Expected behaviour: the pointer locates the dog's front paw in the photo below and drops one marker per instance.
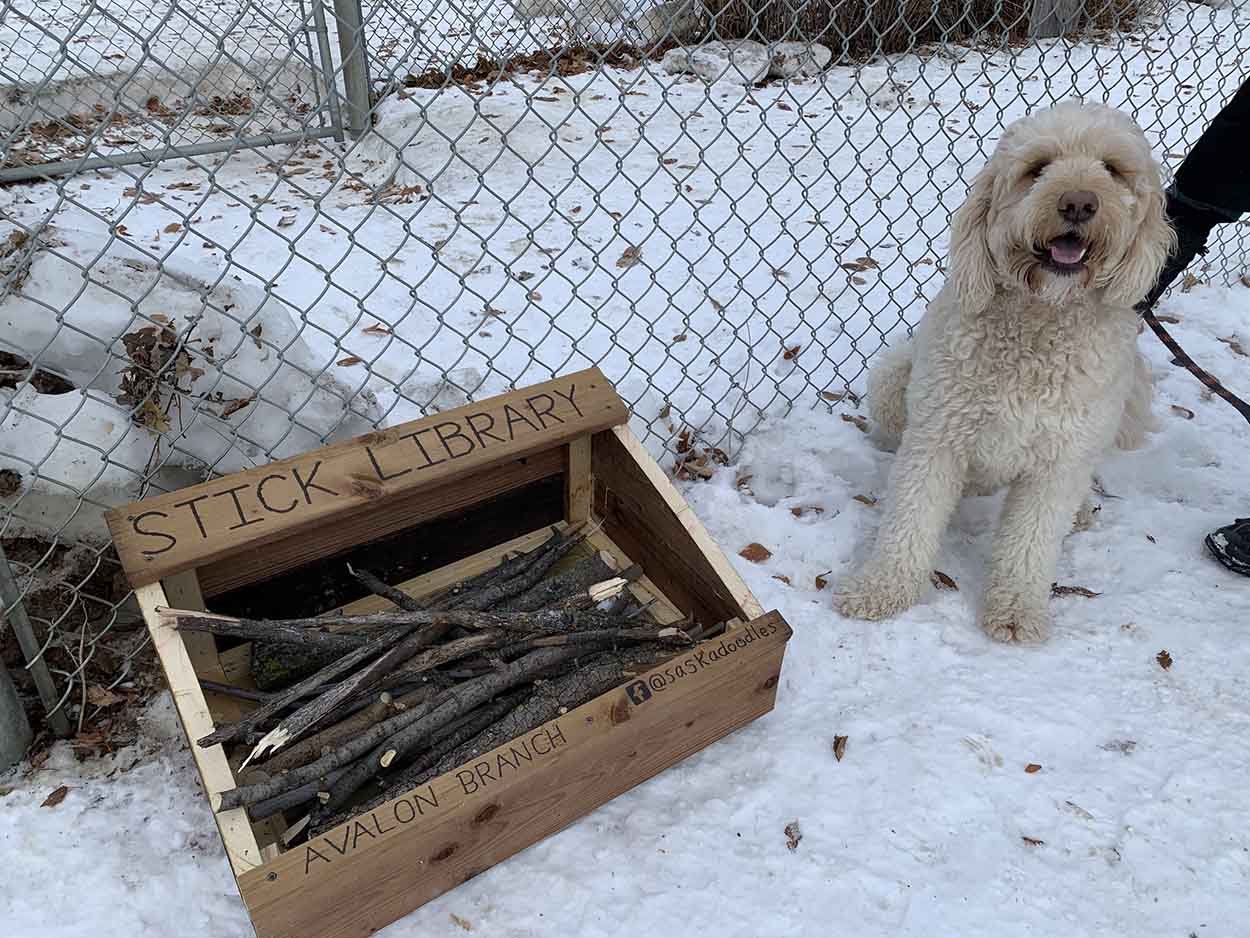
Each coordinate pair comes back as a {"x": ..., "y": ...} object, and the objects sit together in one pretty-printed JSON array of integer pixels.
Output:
[
  {"x": 874, "y": 595},
  {"x": 1016, "y": 623}
]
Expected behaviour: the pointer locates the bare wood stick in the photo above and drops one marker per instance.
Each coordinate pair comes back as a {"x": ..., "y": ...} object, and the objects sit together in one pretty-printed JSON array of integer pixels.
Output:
[
  {"x": 577, "y": 579},
  {"x": 289, "y": 631},
  {"x": 246, "y": 726},
  {"x": 449, "y": 652},
  {"x": 309, "y": 715},
  {"x": 349, "y": 751},
  {"x": 595, "y": 675},
  {"x": 506, "y": 570},
  {"x": 376, "y": 585},
  {"x": 293, "y": 798},
  {"x": 454, "y": 702},
  {"x": 308, "y": 749},
  {"x": 497, "y": 592},
  {"x": 668, "y": 635},
  {"x": 241, "y": 693},
  {"x": 455, "y": 734}
]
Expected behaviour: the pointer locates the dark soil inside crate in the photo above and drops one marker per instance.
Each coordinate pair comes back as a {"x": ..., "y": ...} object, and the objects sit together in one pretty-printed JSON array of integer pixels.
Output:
[{"x": 326, "y": 584}]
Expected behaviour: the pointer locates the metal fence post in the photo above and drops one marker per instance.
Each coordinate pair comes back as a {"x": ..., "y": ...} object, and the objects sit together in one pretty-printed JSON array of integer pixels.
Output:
[
  {"x": 353, "y": 64},
  {"x": 13, "y": 610},
  {"x": 15, "y": 732}
]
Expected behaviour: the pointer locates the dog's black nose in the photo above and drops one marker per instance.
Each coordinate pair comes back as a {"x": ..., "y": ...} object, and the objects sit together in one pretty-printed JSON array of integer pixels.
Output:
[{"x": 1079, "y": 206}]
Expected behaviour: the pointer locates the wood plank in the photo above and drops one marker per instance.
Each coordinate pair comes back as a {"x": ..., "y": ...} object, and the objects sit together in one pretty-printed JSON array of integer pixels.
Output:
[
  {"x": 238, "y": 513},
  {"x": 236, "y": 833},
  {"x": 643, "y": 588},
  {"x": 365, "y": 874},
  {"x": 649, "y": 519},
  {"x": 579, "y": 487},
  {"x": 370, "y": 522},
  {"x": 183, "y": 590}
]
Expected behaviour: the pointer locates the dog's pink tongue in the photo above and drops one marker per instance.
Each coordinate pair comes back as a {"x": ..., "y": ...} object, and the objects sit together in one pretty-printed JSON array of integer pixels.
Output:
[{"x": 1065, "y": 251}]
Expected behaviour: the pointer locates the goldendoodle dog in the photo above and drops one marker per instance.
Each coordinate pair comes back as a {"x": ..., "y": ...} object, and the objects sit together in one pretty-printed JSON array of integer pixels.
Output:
[{"x": 1025, "y": 368}]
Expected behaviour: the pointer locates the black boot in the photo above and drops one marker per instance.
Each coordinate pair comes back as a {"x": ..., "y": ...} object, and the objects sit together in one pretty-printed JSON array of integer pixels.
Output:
[
  {"x": 1231, "y": 546},
  {"x": 1193, "y": 226}
]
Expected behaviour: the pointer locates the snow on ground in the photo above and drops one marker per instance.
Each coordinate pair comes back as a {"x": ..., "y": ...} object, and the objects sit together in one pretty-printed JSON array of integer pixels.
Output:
[
  {"x": 928, "y": 825},
  {"x": 1139, "y": 804}
]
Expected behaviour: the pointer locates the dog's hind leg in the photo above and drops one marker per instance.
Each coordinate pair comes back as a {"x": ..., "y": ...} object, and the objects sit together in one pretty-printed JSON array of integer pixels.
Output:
[{"x": 887, "y": 394}]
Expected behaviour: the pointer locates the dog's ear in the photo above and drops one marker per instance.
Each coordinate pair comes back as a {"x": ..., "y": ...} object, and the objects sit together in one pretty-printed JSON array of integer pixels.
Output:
[
  {"x": 1135, "y": 275},
  {"x": 971, "y": 264}
]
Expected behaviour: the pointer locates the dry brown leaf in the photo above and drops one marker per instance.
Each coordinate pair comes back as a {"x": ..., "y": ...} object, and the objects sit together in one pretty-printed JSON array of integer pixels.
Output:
[
  {"x": 1235, "y": 346},
  {"x": 1032, "y": 767},
  {"x": 793, "y": 835},
  {"x": 348, "y": 361},
  {"x": 791, "y": 354},
  {"x": 860, "y": 264},
  {"x": 834, "y": 396},
  {"x": 377, "y": 329},
  {"x": 942, "y": 581},
  {"x": 55, "y": 798},
  {"x": 233, "y": 407},
  {"x": 286, "y": 221},
  {"x": 1057, "y": 590},
  {"x": 103, "y": 697},
  {"x": 756, "y": 553},
  {"x": 1164, "y": 659},
  {"x": 858, "y": 281},
  {"x": 631, "y": 256},
  {"x": 865, "y": 500},
  {"x": 1032, "y": 841},
  {"x": 172, "y": 228},
  {"x": 861, "y": 423},
  {"x": 821, "y": 581},
  {"x": 1170, "y": 320},
  {"x": 680, "y": 338},
  {"x": 256, "y": 333},
  {"x": 839, "y": 747},
  {"x": 462, "y": 922},
  {"x": 1182, "y": 412},
  {"x": 782, "y": 577}
]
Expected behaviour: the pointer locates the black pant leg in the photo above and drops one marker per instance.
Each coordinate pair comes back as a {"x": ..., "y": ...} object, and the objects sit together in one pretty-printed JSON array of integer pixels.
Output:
[{"x": 1215, "y": 176}]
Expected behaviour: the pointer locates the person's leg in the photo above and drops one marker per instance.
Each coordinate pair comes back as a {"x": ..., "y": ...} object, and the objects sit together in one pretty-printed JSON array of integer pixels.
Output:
[{"x": 1212, "y": 187}]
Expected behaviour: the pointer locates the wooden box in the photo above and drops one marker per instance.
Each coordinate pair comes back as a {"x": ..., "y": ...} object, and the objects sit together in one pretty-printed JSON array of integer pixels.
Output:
[{"x": 465, "y": 486}]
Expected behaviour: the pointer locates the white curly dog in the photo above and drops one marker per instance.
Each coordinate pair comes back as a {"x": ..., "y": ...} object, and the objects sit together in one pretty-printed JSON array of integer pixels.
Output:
[{"x": 1024, "y": 370}]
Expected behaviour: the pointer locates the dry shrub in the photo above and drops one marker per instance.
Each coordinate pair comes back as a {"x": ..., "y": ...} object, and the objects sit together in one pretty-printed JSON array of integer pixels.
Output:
[{"x": 859, "y": 29}]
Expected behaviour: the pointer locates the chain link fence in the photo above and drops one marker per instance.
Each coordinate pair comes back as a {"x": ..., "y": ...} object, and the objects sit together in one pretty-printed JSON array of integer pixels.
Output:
[{"x": 234, "y": 230}]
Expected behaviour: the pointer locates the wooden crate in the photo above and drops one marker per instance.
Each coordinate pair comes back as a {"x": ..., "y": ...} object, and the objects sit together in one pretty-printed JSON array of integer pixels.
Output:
[{"x": 476, "y": 482}]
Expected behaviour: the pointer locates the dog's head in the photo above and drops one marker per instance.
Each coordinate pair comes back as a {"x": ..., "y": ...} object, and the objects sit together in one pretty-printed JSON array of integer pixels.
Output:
[{"x": 1070, "y": 202}]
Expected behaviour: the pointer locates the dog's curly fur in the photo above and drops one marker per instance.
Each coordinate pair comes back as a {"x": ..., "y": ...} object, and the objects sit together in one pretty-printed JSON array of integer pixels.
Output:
[{"x": 1025, "y": 368}]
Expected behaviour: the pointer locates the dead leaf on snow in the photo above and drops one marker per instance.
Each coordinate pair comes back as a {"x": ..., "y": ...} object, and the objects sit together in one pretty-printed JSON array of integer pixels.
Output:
[
  {"x": 1032, "y": 768},
  {"x": 1032, "y": 841},
  {"x": 861, "y": 423},
  {"x": 865, "y": 500},
  {"x": 782, "y": 577},
  {"x": 860, "y": 264},
  {"x": 839, "y": 747},
  {"x": 256, "y": 333},
  {"x": 835, "y": 396},
  {"x": 55, "y": 798},
  {"x": 377, "y": 329},
  {"x": 1164, "y": 659},
  {"x": 821, "y": 581},
  {"x": 233, "y": 407},
  {"x": 173, "y": 228},
  {"x": 793, "y": 835},
  {"x": 942, "y": 581},
  {"x": 1170, "y": 320},
  {"x": 631, "y": 256},
  {"x": 756, "y": 553},
  {"x": 1057, "y": 590},
  {"x": 348, "y": 361},
  {"x": 462, "y": 922},
  {"x": 286, "y": 221},
  {"x": 1182, "y": 412},
  {"x": 680, "y": 338},
  {"x": 791, "y": 354},
  {"x": 1235, "y": 345}
]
